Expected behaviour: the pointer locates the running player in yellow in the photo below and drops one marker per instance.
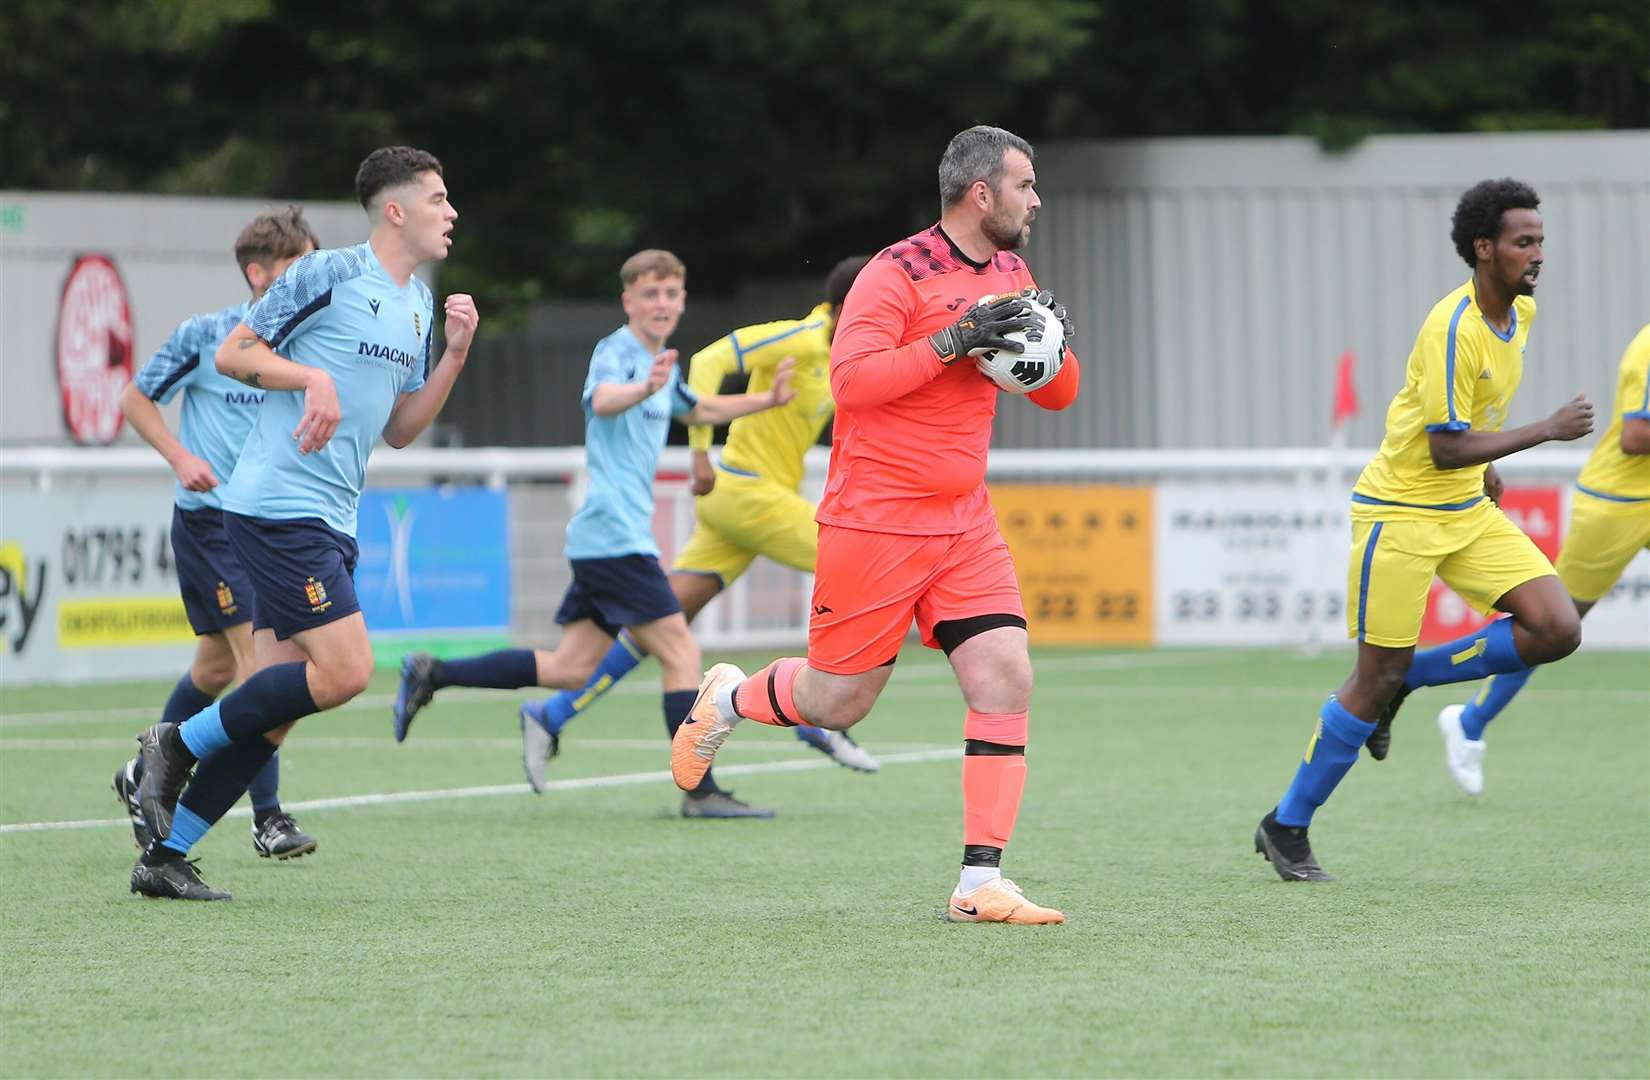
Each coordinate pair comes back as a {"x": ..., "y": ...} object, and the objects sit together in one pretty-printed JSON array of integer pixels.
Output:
[
  {"x": 749, "y": 502},
  {"x": 1427, "y": 504},
  {"x": 1609, "y": 525}
]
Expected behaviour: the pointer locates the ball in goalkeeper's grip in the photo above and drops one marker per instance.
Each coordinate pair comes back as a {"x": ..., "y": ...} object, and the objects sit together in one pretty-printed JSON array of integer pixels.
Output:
[{"x": 1045, "y": 351}]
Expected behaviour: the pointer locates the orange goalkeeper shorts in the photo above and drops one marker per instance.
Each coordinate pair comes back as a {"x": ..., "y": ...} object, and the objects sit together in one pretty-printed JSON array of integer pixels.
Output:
[{"x": 869, "y": 585}]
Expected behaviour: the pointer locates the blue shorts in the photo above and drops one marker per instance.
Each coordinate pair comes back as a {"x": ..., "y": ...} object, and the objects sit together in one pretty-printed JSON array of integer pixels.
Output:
[
  {"x": 217, "y": 594},
  {"x": 302, "y": 570},
  {"x": 628, "y": 590}
]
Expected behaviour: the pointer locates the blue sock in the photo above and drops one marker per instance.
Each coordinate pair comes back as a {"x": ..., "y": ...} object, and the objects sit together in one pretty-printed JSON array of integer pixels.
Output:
[
  {"x": 507, "y": 669},
  {"x": 187, "y": 699},
  {"x": 1333, "y": 749},
  {"x": 620, "y": 661},
  {"x": 678, "y": 703},
  {"x": 1489, "y": 651},
  {"x": 1495, "y": 696},
  {"x": 216, "y": 786},
  {"x": 274, "y": 696},
  {"x": 265, "y": 787}
]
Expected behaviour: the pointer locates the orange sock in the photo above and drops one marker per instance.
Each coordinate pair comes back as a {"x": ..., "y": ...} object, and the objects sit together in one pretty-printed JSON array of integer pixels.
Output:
[
  {"x": 992, "y": 786},
  {"x": 766, "y": 696}
]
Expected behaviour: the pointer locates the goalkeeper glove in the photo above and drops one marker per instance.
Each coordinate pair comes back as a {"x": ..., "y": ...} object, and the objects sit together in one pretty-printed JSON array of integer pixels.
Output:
[
  {"x": 1046, "y": 298},
  {"x": 983, "y": 327}
]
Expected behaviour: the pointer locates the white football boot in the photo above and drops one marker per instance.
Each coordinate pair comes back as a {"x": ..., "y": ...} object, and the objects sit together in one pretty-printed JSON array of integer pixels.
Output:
[{"x": 1464, "y": 756}]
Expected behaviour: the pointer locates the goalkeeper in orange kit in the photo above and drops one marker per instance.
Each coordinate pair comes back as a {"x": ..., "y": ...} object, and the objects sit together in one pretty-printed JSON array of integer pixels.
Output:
[{"x": 906, "y": 525}]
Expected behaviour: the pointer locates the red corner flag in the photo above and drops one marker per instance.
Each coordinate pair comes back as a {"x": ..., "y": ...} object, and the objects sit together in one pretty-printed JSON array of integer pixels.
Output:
[{"x": 1346, "y": 392}]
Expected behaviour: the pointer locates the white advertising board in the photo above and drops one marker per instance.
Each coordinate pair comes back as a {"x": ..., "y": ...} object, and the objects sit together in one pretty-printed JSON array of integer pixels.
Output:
[{"x": 87, "y": 587}]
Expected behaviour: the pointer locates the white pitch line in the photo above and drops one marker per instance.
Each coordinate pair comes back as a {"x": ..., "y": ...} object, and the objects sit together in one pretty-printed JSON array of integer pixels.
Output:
[
  {"x": 324, "y": 742},
  {"x": 579, "y": 783},
  {"x": 922, "y": 670}
]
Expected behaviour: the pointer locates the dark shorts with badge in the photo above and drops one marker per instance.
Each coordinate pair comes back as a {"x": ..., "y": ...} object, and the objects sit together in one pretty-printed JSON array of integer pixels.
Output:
[
  {"x": 217, "y": 593},
  {"x": 627, "y": 590},
  {"x": 302, "y": 570}
]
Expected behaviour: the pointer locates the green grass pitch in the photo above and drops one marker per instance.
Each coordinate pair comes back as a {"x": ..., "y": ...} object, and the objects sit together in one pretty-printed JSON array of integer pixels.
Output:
[{"x": 593, "y": 932}]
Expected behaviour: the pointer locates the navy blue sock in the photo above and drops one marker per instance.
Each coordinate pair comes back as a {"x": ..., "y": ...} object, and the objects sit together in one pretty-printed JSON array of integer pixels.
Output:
[
  {"x": 678, "y": 703},
  {"x": 1334, "y": 747},
  {"x": 1495, "y": 696},
  {"x": 216, "y": 786},
  {"x": 187, "y": 699},
  {"x": 264, "y": 790},
  {"x": 507, "y": 669},
  {"x": 620, "y": 661},
  {"x": 1489, "y": 651},
  {"x": 274, "y": 696}
]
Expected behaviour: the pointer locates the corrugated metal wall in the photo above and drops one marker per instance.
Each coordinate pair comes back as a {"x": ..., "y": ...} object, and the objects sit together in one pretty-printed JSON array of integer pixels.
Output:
[{"x": 1217, "y": 281}]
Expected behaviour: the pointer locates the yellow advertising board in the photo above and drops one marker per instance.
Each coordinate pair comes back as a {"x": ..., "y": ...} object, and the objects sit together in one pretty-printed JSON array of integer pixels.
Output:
[
  {"x": 1084, "y": 558},
  {"x": 95, "y": 622}
]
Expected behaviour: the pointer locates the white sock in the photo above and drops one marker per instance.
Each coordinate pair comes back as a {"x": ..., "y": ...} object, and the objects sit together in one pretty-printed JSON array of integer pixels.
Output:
[
  {"x": 975, "y": 876},
  {"x": 724, "y": 704}
]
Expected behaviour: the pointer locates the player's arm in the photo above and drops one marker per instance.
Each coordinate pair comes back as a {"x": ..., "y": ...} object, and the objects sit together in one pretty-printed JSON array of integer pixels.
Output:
[
  {"x": 413, "y": 413},
  {"x": 722, "y": 408},
  {"x": 1635, "y": 435},
  {"x": 158, "y": 380},
  {"x": 609, "y": 397},
  {"x": 1451, "y": 363},
  {"x": 1062, "y": 389},
  {"x": 706, "y": 371},
  {"x": 868, "y": 364},
  {"x": 1457, "y": 449},
  {"x": 246, "y": 357}
]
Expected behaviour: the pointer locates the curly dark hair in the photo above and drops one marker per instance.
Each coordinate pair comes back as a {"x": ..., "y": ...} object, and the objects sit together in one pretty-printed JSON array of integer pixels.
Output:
[
  {"x": 841, "y": 279},
  {"x": 1478, "y": 214},
  {"x": 391, "y": 166}
]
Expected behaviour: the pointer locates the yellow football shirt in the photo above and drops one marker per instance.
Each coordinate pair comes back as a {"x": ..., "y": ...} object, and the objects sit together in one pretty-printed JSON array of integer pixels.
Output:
[
  {"x": 1609, "y": 473},
  {"x": 770, "y": 443},
  {"x": 1461, "y": 374}
]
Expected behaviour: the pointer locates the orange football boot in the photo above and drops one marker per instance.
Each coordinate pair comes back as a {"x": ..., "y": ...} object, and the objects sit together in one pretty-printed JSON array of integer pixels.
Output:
[
  {"x": 704, "y": 731},
  {"x": 1000, "y": 900}
]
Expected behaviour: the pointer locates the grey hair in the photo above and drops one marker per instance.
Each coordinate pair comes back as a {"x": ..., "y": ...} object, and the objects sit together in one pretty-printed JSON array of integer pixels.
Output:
[{"x": 976, "y": 154}]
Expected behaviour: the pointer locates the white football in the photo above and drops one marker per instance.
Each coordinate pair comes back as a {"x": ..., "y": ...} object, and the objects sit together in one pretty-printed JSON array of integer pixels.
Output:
[{"x": 1021, "y": 373}]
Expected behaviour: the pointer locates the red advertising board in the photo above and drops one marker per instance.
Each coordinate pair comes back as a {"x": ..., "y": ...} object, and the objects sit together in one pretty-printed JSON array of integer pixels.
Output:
[{"x": 1536, "y": 510}]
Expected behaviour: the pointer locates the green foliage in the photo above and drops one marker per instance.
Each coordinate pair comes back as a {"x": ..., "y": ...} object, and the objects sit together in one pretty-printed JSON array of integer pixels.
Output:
[{"x": 752, "y": 137}]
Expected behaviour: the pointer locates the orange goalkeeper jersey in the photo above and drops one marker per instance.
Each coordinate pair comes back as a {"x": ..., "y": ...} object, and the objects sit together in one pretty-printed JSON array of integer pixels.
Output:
[{"x": 909, "y": 446}]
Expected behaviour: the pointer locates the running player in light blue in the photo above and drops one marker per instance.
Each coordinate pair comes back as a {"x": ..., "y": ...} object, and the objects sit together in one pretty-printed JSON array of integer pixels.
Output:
[
  {"x": 632, "y": 392},
  {"x": 341, "y": 346},
  {"x": 216, "y": 416}
]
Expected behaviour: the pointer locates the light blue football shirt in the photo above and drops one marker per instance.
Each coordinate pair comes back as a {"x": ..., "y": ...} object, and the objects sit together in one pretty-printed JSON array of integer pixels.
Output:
[
  {"x": 218, "y": 412},
  {"x": 339, "y": 311},
  {"x": 622, "y": 453}
]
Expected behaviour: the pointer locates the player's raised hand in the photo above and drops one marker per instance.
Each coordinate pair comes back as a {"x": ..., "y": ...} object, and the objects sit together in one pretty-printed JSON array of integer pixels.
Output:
[
  {"x": 462, "y": 322},
  {"x": 1572, "y": 421},
  {"x": 1046, "y": 298},
  {"x": 781, "y": 392},
  {"x": 194, "y": 473},
  {"x": 983, "y": 327},
  {"x": 659, "y": 373},
  {"x": 321, "y": 412}
]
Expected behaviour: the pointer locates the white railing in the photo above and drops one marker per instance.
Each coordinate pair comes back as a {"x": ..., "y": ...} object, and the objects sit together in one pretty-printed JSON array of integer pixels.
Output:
[{"x": 498, "y": 465}]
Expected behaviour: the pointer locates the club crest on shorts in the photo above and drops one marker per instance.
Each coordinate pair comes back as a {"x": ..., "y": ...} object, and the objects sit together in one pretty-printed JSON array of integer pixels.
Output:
[
  {"x": 226, "y": 599},
  {"x": 316, "y": 594}
]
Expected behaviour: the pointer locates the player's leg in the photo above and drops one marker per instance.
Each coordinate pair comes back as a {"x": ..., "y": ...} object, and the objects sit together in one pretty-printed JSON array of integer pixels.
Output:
[
  {"x": 865, "y": 596},
  {"x": 275, "y": 833},
  {"x": 302, "y": 576},
  {"x": 1389, "y": 574},
  {"x": 973, "y": 611},
  {"x": 707, "y": 564},
  {"x": 778, "y": 523},
  {"x": 1602, "y": 539}
]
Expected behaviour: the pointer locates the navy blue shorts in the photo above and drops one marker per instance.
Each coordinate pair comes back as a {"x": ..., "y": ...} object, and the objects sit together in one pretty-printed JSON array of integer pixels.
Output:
[
  {"x": 217, "y": 594},
  {"x": 628, "y": 590},
  {"x": 303, "y": 571}
]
